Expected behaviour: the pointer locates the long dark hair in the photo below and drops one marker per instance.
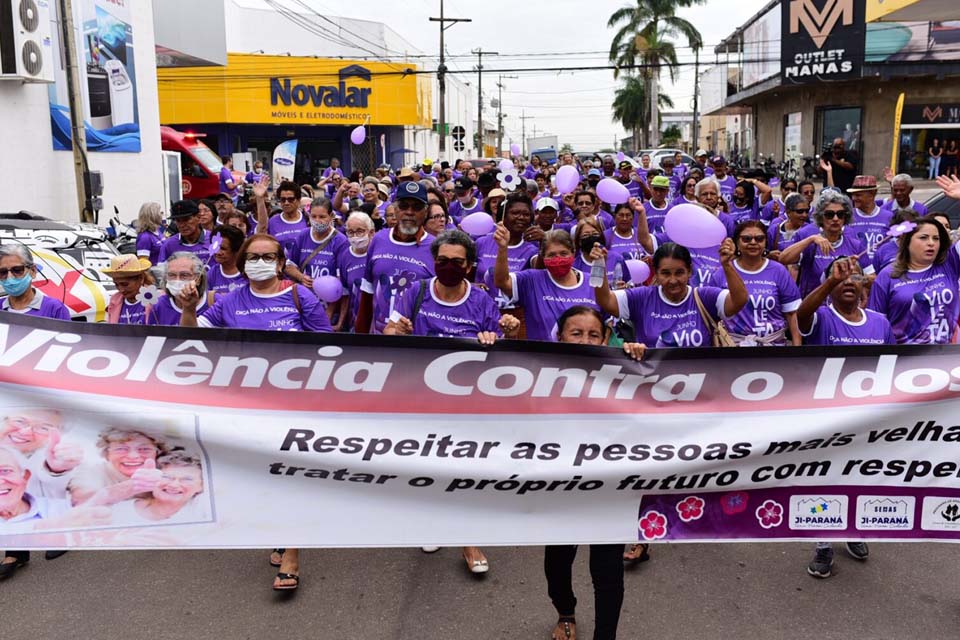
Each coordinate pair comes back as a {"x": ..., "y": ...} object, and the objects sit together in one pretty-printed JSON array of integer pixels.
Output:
[{"x": 902, "y": 264}]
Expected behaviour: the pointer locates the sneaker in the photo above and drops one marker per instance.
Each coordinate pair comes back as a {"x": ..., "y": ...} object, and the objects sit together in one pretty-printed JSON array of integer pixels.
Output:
[
  {"x": 858, "y": 550},
  {"x": 429, "y": 549},
  {"x": 822, "y": 564}
]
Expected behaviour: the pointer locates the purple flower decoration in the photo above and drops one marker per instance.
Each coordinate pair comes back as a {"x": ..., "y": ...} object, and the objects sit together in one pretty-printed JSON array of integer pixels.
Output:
[
  {"x": 215, "y": 243},
  {"x": 402, "y": 281},
  {"x": 509, "y": 179},
  {"x": 902, "y": 228}
]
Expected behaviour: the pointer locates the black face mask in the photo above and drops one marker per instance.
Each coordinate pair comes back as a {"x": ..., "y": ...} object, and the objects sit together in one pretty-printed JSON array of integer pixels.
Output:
[{"x": 587, "y": 242}]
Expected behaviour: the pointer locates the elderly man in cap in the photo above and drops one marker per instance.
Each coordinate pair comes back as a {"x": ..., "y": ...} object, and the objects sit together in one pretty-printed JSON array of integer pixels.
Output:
[
  {"x": 727, "y": 182},
  {"x": 668, "y": 164},
  {"x": 869, "y": 222},
  {"x": 700, "y": 162},
  {"x": 397, "y": 259},
  {"x": 901, "y": 186},
  {"x": 465, "y": 202},
  {"x": 191, "y": 236},
  {"x": 131, "y": 276}
]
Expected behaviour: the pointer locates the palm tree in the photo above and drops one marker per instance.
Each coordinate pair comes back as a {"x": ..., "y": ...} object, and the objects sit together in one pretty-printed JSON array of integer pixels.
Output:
[
  {"x": 643, "y": 38},
  {"x": 631, "y": 107}
]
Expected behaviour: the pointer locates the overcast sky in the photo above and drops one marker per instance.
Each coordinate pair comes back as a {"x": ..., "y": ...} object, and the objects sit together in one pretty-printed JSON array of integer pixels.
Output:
[{"x": 574, "y": 106}]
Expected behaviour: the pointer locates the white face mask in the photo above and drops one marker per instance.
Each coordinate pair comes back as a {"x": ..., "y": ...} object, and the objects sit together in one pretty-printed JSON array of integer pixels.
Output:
[
  {"x": 260, "y": 270},
  {"x": 174, "y": 287},
  {"x": 257, "y": 170},
  {"x": 359, "y": 243}
]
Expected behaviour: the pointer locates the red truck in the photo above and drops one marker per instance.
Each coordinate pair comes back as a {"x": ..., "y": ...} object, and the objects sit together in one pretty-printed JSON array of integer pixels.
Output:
[{"x": 199, "y": 165}]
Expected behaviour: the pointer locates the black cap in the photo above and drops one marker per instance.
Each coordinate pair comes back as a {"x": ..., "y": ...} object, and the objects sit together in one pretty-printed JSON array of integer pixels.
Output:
[
  {"x": 184, "y": 209},
  {"x": 486, "y": 180},
  {"x": 463, "y": 183}
]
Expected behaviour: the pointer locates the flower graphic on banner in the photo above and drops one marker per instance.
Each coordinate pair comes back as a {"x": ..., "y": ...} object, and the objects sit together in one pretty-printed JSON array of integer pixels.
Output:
[
  {"x": 770, "y": 514},
  {"x": 653, "y": 525},
  {"x": 690, "y": 508},
  {"x": 734, "y": 503},
  {"x": 508, "y": 179},
  {"x": 148, "y": 295}
]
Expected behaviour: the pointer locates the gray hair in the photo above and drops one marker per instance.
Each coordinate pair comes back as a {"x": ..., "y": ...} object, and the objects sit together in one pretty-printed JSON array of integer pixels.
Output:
[
  {"x": 17, "y": 251},
  {"x": 150, "y": 217},
  {"x": 179, "y": 458},
  {"x": 902, "y": 178},
  {"x": 828, "y": 197},
  {"x": 198, "y": 266},
  {"x": 532, "y": 186},
  {"x": 791, "y": 201},
  {"x": 709, "y": 180},
  {"x": 18, "y": 457},
  {"x": 362, "y": 217},
  {"x": 458, "y": 238},
  {"x": 323, "y": 202}
]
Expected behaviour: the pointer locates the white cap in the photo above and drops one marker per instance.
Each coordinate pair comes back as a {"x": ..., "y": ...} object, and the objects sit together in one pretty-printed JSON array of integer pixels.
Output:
[
  {"x": 543, "y": 203},
  {"x": 700, "y": 152}
]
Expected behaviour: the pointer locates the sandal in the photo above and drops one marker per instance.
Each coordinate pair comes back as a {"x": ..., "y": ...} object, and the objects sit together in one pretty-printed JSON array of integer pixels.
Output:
[
  {"x": 567, "y": 626},
  {"x": 637, "y": 553},
  {"x": 286, "y": 587},
  {"x": 276, "y": 557},
  {"x": 476, "y": 565}
]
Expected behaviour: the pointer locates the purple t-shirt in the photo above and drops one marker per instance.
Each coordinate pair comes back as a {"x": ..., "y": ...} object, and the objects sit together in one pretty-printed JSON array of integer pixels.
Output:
[
  {"x": 767, "y": 215},
  {"x": 329, "y": 171},
  {"x": 351, "y": 268},
  {"x": 772, "y": 293},
  {"x": 148, "y": 246},
  {"x": 885, "y": 254},
  {"x": 287, "y": 232},
  {"x": 392, "y": 267},
  {"x": 919, "y": 207},
  {"x": 324, "y": 262},
  {"x": 655, "y": 215},
  {"x": 458, "y": 211},
  {"x": 227, "y": 176},
  {"x": 922, "y": 306},
  {"x": 871, "y": 229},
  {"x": 832, "y": 330},
  {"x": 675, "y": 185},
  {"x": 544, "y": 301},
  {"x": 244, "y": 309},
  {"x": 616, "y": 267},
  {"x": 813, "y": 262},
  {"x": 518, "y": 257},
  {"x": 49, "y": 308},
  {"x": 748, "y": 212},
  {"x": 627, "y": 248},
  {"x": 706, "y": 262},
  {"x": 467, "y": 317},
  {"x": 174, "y": 244},
  {"x": 779, "y": 237},
  {"x": 661, "y": 323},
  {"x": 131, "y": 313},
  {"x": 727, "y": 186},
  {"x": 220, "y": 282},
  {"x": 166, "y": 313}
]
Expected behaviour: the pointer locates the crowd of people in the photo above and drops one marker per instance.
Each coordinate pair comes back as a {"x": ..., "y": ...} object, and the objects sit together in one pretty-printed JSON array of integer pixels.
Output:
[{"x": 494, "y": 252}]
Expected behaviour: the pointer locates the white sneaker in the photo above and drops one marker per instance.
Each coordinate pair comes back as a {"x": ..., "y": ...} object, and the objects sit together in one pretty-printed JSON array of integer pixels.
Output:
[{"x": 429, "y": 549}]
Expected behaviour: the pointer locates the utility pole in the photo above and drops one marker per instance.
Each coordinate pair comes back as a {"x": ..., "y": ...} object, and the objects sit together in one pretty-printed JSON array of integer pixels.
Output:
[
  {"x": 696, "y": 90},
  {"x": 441, "y": 77},
  {"x": 523, "y": 119},
  {"x": 480, "y": 53},
  {"x": 78, "y": 134},
  {"x": 500, "y": 111}
]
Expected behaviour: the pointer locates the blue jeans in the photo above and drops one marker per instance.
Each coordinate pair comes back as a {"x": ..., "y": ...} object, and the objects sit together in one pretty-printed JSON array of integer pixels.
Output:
[{"x": 934, "y": 167}]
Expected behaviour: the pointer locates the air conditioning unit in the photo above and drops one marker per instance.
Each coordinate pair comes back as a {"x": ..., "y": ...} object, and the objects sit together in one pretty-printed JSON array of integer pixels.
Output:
[{"x": 26, "y": 52}]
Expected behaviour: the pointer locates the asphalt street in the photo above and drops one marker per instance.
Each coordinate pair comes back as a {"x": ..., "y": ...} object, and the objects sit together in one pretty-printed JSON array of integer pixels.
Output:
[{"x": 684, "y": 591}]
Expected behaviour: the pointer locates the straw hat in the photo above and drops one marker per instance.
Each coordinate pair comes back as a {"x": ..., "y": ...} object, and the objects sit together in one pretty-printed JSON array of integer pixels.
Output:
[{"x": 126, "y": 265}]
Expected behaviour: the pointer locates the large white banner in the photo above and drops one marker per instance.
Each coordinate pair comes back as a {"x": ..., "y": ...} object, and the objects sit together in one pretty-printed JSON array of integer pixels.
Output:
[{"x": 130, "y": 437}]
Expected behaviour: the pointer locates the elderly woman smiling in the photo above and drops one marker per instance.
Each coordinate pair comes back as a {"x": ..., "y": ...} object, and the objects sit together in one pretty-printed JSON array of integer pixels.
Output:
[
  {"x": 172, "y": 498},
  {"x": 128, "y": 468}
]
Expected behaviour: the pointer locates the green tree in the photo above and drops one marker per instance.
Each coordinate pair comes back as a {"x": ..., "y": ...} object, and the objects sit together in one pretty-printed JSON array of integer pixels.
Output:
[
  {"x": 566, "y": 147},
  {"x": 631, "y": 106},
  {"x": 643, "y": 37}
]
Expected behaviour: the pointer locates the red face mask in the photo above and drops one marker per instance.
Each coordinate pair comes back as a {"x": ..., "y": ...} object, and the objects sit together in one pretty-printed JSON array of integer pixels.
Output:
[{"x": 558, "y": 266}]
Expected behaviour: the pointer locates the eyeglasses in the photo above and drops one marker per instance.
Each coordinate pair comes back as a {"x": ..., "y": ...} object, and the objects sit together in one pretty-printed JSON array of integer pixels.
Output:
[
  {"x": 437, "y": 216},
  {"x": 449, "y": 191},
  {"x": 460, "y": 262},
  {"x": 16, "y": 271},
  {"x": 267, "y": 257},
  {"x": 287, "y": 199},
  {"x": 407, "y": 205},
  {"x": 585, "y": 203},
  {"x": 182, "y": 275},
  {"x": 39, "y": 429},
  {"x": 356, "y": 233},
  {"x": 751, "y": 239},
  {"x": 830, "y": 215},
  {"x": 123, "y": 449}
]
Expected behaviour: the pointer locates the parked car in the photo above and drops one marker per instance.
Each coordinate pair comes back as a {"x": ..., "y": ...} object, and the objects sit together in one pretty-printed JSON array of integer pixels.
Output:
[
  {"x": 68, "y": 258},
  {"x": 942, "y": 203},
  {"x": 658, "y": 154}
]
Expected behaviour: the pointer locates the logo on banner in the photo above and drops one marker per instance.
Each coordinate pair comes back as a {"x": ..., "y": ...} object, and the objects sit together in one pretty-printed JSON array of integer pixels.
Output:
[
  {"x": 818, "y": 512},
  {"x": 885, "y": 512},
  {"x": 932, "y": 115},
  {"x": 940, "y": 514},
  {"x": 283, "y": 91},
  {"x": 819, "y": 24}
]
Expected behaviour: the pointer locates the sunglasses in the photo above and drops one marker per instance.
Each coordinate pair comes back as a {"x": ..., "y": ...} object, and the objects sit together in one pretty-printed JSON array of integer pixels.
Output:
[
  {"x": 287, "y": 199},
  {"x": 830, "y": 215},
  {"x": 750, "y": 239},
  {"x": 16, "y": 271},
  {"x": 460, "y": 262},
  {"x": 803, "y": 211},
  {"x": 408, "y": 205}
]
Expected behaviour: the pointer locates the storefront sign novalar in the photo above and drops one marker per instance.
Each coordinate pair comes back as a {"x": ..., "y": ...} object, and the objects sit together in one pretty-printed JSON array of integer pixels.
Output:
[{"x": 284, "y": 91}]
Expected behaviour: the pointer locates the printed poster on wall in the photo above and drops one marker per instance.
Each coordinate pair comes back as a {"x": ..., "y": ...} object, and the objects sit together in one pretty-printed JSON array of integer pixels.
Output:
[{"x": 108, "y": 85}]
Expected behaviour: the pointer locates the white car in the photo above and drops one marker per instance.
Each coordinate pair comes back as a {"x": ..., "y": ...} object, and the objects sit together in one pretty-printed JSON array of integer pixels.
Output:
[{"x": 656, "y": 155}]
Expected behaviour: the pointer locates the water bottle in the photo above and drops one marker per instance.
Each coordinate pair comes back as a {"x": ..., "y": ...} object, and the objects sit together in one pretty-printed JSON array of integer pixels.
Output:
[
  {"x": 617, "y": 275},
  {"x": 597, "y": 273}
]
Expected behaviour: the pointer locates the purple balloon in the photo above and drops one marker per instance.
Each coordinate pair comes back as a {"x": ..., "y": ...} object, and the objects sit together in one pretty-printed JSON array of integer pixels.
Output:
[
  {"x": 506, "y": 164},
  {"x": 478, "y": 224},
  {"x": 694, "y": 227},
  {"x": 639, "y": 271},
  {"x": 567, "y": 178},
  {"x": 514, "y": 149},
  {"x": 328, "y": 288},
  {"x": 358, "y": 135},
  {"x": 612, "y": 192},
  {"x": 620, "y": 156}
]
